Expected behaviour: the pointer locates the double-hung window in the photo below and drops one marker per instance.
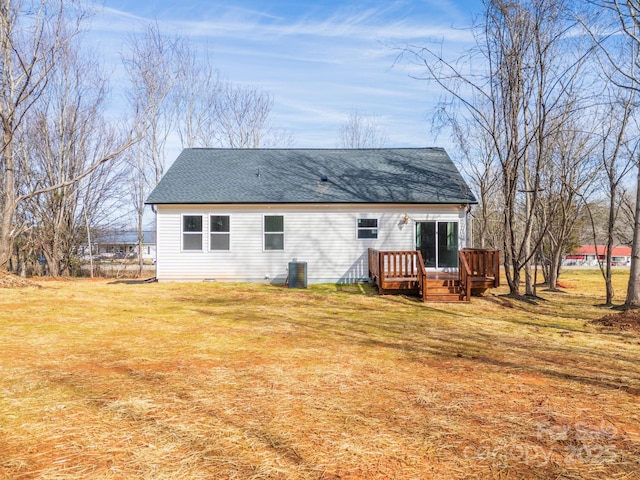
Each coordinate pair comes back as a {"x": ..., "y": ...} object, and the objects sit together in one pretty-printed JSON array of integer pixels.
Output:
[
  {"x": 274, "y": 232},
  {"x": 220, "y": 232},
  {"x": 192, "y": 232},
  {"x": 367, "y": 228}
]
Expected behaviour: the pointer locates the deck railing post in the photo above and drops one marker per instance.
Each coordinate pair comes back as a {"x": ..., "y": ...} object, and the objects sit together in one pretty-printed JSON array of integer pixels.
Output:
[
  {"x": 465, "y": 272},
  {"x": 422, "y": 276}
]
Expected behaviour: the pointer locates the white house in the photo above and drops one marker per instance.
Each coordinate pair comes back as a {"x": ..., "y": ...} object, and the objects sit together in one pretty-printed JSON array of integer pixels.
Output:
[
  {"x": 125, "y": 243},
  {"x": 245, "y": 214},
  {"x": 590, "y": 255}
]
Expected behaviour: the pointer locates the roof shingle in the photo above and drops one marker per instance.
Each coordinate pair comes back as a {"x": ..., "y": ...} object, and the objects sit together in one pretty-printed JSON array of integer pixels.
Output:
[{"x": 394, "y": 175}]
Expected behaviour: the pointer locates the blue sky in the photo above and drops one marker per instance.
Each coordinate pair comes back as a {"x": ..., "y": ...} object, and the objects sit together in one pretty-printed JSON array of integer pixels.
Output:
[{"x": 319, "y": 60}]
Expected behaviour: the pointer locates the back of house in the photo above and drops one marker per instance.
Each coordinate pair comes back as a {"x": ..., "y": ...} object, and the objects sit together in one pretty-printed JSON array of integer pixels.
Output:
[{"x": 247, "y": 214}]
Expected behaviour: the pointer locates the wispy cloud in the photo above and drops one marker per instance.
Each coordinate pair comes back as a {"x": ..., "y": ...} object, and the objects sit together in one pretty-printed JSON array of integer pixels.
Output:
[{"x": 319, "y": 61}]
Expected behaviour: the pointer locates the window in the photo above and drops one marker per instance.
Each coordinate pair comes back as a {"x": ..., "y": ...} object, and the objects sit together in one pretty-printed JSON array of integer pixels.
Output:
[
  {"x": 274, "y": 232},
  {"x": 192, "y": 232},
  {"x": 368, "y": 228},
  {"x": 219, "y": 232}
]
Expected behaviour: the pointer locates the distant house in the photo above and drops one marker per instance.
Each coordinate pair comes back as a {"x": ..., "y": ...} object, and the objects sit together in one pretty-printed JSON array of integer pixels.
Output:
[
  {"x": 589, "y": 255},
  {"x": 244, "y": 215},
  {"x": 122, "y": 243}
]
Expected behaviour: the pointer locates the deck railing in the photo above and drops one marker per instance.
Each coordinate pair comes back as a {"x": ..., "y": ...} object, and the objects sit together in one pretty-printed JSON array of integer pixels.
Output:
[
  {"x": 483, "y": 263},
  {"x": 478, "y": 270},
  {"x": 388, "y": 267},
  {"x": 398, "y": 264}
]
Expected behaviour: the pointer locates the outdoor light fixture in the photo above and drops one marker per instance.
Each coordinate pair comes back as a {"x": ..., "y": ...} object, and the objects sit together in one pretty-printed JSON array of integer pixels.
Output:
[{"x": 405, "y": 219}]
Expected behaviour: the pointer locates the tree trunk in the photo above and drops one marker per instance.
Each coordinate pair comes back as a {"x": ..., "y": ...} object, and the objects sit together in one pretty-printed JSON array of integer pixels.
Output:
[
  {"x": 140, "y": 242},
  {"x": 52, "y": 264},
  {"x": 6, "y": 225},
  {"x": 609, "y": 247},
  {"x": 633, "y": 288},
  {"x": 511, "y": 267},
  {"x": 8, "y": 201},
  {"x": 89, "y": 245}
]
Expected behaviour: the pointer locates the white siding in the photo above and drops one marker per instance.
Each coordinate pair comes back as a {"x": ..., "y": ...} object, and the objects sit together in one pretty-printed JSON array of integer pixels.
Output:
[{"x": 324, "y": 236}]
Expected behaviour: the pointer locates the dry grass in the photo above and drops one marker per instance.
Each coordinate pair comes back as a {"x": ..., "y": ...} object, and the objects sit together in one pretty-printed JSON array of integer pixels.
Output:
[{"x": 163, "y": 381}]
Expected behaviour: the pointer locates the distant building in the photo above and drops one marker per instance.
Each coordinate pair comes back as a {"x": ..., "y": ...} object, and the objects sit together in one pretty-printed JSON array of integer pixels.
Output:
[
  {"x": 123, "y": 244},
  {"x": 589, "y": 255}
]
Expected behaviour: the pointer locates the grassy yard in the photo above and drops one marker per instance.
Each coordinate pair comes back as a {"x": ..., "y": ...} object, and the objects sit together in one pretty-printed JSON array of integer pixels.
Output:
[{"x": 109, "y": 380}]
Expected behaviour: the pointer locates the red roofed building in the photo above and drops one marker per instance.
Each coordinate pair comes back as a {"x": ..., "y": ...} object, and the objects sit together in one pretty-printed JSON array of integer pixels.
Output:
[{"x": 589, "y": 255}]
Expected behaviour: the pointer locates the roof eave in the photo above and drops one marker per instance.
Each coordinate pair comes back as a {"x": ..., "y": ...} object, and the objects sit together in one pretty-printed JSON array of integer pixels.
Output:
[{"x": 452, "y": 202}]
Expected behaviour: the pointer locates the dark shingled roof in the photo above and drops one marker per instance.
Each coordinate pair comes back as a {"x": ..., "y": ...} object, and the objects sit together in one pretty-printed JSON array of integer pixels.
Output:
[{"x": 386, "y": 175}]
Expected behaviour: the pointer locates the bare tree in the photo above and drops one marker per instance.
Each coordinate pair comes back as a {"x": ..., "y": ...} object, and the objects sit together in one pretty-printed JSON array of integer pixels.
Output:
[
  {"x": 626, "y": 217},
  {"x": 480, "y": 164},
  {"x": 361, "y": 131},
  {"x": 616, "y": 161},
  {"x": 153, "y": 66},
  {"x": 568, "y": 178},
  {"x": 242, "y": 115},
  {"x": 33, "y": 39},
  {"x": 626, "y": 18},
  {"x": 196, "y": 97},
  {"x": 65, "y": 134},
  {"x": 29, "y": 49},
  {"x": 529, "y": 68}
]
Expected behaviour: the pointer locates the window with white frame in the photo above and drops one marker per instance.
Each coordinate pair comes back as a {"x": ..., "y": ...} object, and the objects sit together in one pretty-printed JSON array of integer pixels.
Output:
[
  {"x": 220, "y": 232},
  {"x": 274, "y": 232},
  {"x": 192, "y": 232},
  {"x": 367, "y": 228}
]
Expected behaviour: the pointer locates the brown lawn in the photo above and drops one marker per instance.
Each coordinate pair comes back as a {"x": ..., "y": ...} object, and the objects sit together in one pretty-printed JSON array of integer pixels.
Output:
[{"x": 108, "y": 380}]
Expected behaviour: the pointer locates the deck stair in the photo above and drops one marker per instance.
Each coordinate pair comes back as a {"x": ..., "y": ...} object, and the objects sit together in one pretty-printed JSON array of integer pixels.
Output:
[
  {"x": 443, "y": 287},
  {"x": 404, "y": 272}
]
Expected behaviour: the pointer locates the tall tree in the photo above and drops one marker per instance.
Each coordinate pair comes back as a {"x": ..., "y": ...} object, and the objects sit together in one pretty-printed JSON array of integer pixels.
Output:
[
  {"x": 361, "y": 131},
  {"x": 196, "y": 97},
  {"x": 66, "y": 133},
  {"x": 480, "y": 165},
  {"x": 517, "y": 93},
  {"x": 626, "y": 18},
  {"x": 616, "y": 161},
  {"x": 218, "y": 113},
  {"x": 569, "y": 177},
  {"x": 30, "y": 46},
  {"x": 242, "y": 114},
  {"x": 152, "y": 63},
  {"x": 34, "y": 37}
]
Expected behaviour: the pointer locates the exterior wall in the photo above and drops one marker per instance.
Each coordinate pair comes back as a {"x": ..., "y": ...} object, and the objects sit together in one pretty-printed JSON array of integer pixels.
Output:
[{"x": 324, "y": 236}]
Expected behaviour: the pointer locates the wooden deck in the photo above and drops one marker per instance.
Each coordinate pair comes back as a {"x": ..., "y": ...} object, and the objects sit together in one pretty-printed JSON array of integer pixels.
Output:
[{"x": 404, "y": 272}]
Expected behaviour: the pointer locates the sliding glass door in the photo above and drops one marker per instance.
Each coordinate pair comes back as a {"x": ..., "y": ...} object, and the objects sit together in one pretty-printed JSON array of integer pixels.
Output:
[{"x": 438, "y": 243}]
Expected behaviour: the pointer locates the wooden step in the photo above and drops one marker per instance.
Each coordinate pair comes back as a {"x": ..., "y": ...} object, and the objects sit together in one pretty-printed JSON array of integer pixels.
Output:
[
  {"x": 450, "y": 297},
  {"x": 449, "y": 292},
  {"x": 400, "y": 285},
  {"x": 442, "y": 283},
  {"x": 439, "y": 290}
]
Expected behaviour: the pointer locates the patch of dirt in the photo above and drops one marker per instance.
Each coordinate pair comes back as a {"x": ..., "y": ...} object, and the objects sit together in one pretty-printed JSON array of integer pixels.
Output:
[
  {"x": 9, "y": 280},
  {"x": 625, "y": 320}
]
